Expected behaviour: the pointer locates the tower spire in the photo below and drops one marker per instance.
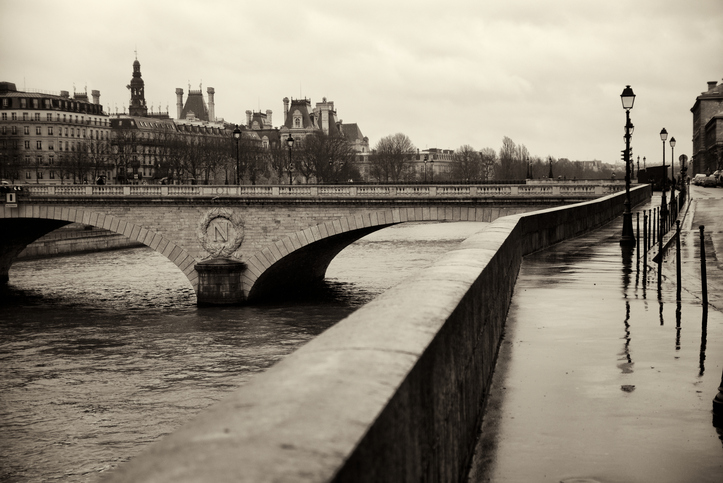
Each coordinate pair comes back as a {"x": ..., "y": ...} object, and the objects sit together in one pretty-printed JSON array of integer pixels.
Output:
[{"x": 138, "y": 98}]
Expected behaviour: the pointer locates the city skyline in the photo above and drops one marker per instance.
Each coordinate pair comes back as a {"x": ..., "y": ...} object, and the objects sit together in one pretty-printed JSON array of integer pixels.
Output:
[{"x": 548, "y": 76}]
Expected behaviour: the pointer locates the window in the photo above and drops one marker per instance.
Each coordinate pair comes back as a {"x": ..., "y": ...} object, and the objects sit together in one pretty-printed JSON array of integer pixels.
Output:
[
  {"x": 35, "y": 103},
  {"x": 27, "y": 144},
  {"x": 38, "y": 130},
  {"x": 40, "y": 174},
  {"x": 23, "y": 103},
  {"x": 6, "y": 102},
  {"x": 13, "y": 130},
  {"x": 5, "y": 116},
  {"x": 25, "y": 116},
  {"x": 72, "y": 132},
  {"x": 3, "y": 129},
  {"x": 51, "y": 159},
  {"x": 51, "y": 145},
  {"x": 38, "y": 145},
  {"x": 27, "y": 174},
  {"x": 66, "y": 132},
  {"x": 26, "y": 129},
  {"x": 50, "y": 117},
  {"x": 50, "y": 130},
  {"x": 37, "y": 116},
  {"x": 14, "y": 116},
  {"x": 52, "y": 174}
]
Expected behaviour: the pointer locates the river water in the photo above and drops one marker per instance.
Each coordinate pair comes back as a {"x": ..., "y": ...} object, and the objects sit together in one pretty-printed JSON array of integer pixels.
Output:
[{"x": 102, "y": 354}]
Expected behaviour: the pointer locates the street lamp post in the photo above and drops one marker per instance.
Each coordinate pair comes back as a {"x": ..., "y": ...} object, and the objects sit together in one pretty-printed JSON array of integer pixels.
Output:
[
  {"x": 628, "y": 238},
  {"x": 663, "y": 201},
  {"x": 425, "y": 167},
  {"x": 237, "y": 137},
  {"x": 672, "y": 170},
  {"x": 290, "y": 167}
]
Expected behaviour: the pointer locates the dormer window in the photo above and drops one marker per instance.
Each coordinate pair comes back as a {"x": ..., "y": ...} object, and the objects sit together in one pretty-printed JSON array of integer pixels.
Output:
[{"x": 297, "y": 118}]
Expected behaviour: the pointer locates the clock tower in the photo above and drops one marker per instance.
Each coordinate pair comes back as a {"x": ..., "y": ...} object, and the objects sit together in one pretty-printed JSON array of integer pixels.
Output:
[{"x": 138, "y": 98}]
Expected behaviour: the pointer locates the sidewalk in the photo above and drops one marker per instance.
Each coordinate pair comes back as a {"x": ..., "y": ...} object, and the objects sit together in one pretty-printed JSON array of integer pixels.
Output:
[{"x": 602, "y": 376}]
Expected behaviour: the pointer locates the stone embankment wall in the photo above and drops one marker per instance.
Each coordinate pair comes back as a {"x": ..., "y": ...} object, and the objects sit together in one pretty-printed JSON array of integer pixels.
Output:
[
  {"x": 394, "y": 392},
  {"x": 75, "y": 239}
]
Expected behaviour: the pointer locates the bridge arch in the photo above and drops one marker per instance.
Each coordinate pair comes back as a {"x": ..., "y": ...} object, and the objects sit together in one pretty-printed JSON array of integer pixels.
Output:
[
  {"x": 19, "y": 232},
  {"x": 303, "y": 257}
]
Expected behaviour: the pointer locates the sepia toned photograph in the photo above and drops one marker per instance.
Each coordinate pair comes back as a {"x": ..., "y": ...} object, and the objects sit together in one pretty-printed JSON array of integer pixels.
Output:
[{"x": 325, "y": 241}]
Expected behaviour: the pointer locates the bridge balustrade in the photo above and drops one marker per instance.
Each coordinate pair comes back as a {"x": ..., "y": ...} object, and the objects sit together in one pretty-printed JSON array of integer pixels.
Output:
[{"x": 581, "y": 189}]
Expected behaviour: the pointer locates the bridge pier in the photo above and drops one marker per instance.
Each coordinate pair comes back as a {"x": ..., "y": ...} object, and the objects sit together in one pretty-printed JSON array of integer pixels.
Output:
[{"x": 219, "y": 282}]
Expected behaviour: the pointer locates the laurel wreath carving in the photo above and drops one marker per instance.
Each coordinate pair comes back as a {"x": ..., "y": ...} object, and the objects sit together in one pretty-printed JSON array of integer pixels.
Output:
[{"x": 227, "y": 249}]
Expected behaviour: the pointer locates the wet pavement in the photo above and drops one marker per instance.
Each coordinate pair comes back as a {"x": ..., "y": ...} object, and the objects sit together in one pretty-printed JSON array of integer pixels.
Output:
[{"x": 602, "y": 375}]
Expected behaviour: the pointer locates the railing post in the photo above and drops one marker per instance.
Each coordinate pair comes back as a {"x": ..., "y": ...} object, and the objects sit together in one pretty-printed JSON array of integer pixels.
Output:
[
  {"x": 677, "y": 259},
  {"x": 703, "y": 275}
]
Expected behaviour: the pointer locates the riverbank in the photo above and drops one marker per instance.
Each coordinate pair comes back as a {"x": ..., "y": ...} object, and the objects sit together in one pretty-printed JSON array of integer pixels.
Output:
[{"x": 75, "y": 239}]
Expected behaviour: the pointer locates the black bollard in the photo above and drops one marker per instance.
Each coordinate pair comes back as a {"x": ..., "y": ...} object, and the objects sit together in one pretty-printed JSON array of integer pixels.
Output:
[
  {"x": 645, "y": 237},
  {"x": 677, "y": 258},
  {"x": 655, "y": 226},
  {"x": 660, "y": 253},
  {"x": 637, "y": 235},
  {"x": 703, "y": 275}
]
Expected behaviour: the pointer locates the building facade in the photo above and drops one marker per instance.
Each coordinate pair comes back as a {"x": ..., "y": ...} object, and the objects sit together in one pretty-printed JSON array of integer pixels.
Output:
[
  {"x": 707, "y": 131},
  {"x": 52, "y": 138}
]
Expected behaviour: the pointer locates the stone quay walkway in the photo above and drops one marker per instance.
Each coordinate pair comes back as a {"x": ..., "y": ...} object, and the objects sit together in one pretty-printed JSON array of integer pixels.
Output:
[{"x": 602, "y": 375}]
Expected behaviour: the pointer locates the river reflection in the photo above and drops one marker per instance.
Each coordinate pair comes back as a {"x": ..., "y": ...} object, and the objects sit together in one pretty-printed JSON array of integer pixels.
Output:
[{"x": 102, "y": 354}]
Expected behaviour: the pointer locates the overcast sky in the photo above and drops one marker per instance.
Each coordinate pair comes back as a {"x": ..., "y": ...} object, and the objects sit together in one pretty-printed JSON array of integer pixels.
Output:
[{"x": 547, "y": 74}]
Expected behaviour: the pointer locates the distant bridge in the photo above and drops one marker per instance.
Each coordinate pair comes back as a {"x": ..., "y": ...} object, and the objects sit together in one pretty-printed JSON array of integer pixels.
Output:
[{"x": 240, "y": 243}]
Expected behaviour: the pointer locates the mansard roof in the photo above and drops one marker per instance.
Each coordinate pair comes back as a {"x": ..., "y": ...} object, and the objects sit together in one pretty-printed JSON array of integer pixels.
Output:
[
  {"x": 196, "y": 104},
  {"x": 352, "y": 132}
]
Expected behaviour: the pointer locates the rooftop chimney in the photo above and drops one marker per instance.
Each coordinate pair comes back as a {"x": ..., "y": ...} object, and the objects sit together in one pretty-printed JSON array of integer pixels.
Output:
[
  {"x": 96, "y": 96},
  {"x": 712, "y": 84},
  {"x": 211, "y": 106},
  {"x": 179, "y": 102}
]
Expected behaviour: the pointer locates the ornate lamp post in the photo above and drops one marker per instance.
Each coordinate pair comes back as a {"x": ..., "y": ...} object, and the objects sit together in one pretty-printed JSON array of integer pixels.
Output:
[
  {"x": 672, "y": 170},
  {"x": 425, "y": 167},
  {"x": 237, "y": 137},
  {"x": 663, "y": 201},
  {"x": 628, "y": 238},
  {"x": 290, "y": 167}
]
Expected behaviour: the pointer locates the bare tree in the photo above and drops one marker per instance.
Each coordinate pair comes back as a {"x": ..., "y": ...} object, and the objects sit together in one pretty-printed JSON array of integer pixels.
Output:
[
  {"x": 98, "y": 152},
  {"x": 466, "y": 165},
  {"x": 391, "y": 159},
  {"x": 327, "y": 158},
  {"x": 512, "y": 161},
  {"x": 488, "y": 159}
]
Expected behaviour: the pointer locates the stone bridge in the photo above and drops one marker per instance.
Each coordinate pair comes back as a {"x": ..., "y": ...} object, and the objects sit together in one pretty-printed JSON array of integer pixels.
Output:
[{"x": 243, "y": 243}]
